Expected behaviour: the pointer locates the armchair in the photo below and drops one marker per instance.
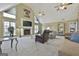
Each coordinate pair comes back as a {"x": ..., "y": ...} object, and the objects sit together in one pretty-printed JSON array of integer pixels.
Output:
[{"x": 43, "y": 38}]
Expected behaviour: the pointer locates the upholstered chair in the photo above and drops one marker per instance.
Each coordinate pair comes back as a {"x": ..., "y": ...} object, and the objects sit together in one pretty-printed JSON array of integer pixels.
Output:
[{"x": 43, "y": 37}]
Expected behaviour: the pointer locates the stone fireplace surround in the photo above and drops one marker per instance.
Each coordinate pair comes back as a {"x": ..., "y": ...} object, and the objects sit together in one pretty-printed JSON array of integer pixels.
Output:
[{"x": 28, "y": 28}]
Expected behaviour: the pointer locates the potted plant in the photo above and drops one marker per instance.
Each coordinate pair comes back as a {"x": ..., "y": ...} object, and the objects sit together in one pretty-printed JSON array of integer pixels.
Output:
[{"x": 11, "y": 30}]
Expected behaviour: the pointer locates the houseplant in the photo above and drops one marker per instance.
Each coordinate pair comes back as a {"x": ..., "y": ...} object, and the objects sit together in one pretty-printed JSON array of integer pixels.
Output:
[{"x": 11, "y": 30}]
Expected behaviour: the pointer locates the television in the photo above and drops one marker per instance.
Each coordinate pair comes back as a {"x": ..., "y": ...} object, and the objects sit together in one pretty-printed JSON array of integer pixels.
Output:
[{"x": 27, "y": 23}]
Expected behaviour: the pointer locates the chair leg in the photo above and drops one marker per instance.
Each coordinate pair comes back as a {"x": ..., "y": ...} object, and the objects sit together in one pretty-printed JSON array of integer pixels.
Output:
[{"x": 11, "y": 43}]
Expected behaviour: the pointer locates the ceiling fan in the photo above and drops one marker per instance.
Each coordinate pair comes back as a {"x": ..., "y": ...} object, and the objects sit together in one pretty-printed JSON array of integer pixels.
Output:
[{"x": 62, "y": 6}]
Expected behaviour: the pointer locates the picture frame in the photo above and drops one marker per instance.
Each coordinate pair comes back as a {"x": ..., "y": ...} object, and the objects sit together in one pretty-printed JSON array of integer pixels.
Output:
[
  {"x": 61, "y": 28},
  {"x": 27, "y": 13}
]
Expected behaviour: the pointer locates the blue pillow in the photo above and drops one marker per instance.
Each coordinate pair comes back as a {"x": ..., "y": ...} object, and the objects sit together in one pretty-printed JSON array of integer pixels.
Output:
[{"x": 75, "y": 37}]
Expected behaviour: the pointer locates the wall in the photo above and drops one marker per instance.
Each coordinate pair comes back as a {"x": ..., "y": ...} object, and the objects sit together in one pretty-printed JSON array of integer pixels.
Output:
[
  {"x": 78, "y": 21},
  {"x": 67, "y": 25},
  {"x": 20, "y": 16},
  {"x": 54, "y": 25},
  {"x": 78, "y": 25},
  {"x": 9, "y": 19},
  {"x": 1, "y": 25},
  {"x": 40, "y": 28}
]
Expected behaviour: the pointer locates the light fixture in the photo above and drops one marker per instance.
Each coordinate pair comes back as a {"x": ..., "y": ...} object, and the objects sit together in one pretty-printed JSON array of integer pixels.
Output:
[
  {"x": 48, "y": 28},
  {"x": 62, "y": 6}
]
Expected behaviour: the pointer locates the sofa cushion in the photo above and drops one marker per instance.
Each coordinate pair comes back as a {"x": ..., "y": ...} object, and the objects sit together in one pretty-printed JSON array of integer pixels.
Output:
[{"x": 75, "y": 37}]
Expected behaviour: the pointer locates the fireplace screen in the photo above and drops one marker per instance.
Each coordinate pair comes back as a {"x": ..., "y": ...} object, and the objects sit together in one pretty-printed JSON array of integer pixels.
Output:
[{"x": 26, "y": 31}]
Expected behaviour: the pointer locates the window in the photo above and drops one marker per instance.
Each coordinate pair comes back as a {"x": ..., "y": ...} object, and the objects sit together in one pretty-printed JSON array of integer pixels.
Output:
[
  {"x": 36, "y": 25},
  {"x": 7, "y": 24},
  {"x": 72, "y": 27},
  {"x": 36, "y": 28},
  {"x": 13, "y": 25}
]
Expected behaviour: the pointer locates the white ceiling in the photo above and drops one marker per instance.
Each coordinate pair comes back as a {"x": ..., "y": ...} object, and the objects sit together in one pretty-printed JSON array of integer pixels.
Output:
[
  {"x": 5, "y": 6},
  {"x": 51, "y": 14}
]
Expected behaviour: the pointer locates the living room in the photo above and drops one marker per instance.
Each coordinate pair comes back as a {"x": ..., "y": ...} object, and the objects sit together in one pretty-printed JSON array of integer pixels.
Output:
[{"x": 27, "y": 27}]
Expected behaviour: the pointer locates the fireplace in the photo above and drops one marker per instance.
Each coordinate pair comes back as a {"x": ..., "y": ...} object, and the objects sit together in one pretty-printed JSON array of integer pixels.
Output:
[
  {"x": 27, "y": 32},
  {"x": 26, "y": 27}
]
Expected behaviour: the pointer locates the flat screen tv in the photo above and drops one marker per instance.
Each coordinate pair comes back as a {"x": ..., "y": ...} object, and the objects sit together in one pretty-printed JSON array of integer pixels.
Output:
[{"x": 27, "y": 23}]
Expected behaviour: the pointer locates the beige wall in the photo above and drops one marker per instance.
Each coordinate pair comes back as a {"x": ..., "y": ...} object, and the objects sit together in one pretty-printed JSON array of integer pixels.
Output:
[
  {"x": 20, "y": 16},
  {"x": 78, "y": 22},
  {"x": 54, "y": 25},
  {"x": 1, "y": 24},
  {"x": 67, "y": 25}
]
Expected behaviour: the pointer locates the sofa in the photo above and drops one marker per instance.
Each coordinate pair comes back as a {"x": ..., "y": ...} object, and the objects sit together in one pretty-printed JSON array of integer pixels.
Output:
[{"x": 70, "y": 47}]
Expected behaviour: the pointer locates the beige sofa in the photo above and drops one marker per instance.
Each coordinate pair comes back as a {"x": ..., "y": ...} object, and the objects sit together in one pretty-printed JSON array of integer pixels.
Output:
[{"x": 68, "y": 48}]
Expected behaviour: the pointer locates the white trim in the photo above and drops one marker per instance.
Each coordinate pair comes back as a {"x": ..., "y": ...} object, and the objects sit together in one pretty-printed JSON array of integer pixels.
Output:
[{"x": 9, "y": 15}]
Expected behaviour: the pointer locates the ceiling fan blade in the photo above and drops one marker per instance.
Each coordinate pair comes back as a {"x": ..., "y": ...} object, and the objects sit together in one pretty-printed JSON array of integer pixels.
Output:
[{"x": 69, "y": 3}]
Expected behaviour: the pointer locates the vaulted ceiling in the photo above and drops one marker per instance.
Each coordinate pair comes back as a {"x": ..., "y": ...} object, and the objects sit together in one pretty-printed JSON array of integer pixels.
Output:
[
  {"x": 51, "y": 13},
  {"x": 6, "y": 6}
]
